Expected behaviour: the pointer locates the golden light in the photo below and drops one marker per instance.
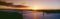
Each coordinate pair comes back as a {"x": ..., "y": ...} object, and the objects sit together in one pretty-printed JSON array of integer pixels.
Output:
[
  {"x": 34, "y": 7},
  {"x": 34, "y": 12}
]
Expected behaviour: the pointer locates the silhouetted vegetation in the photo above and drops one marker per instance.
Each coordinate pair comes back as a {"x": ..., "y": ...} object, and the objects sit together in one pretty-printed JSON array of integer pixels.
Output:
[
  {"x": 52, "y": 11},
  {"x": 12, "y": 15}
]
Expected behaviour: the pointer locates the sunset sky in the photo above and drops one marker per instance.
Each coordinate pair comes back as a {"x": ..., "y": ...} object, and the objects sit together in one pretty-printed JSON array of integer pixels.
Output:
[{"x": 41, "y": 4}]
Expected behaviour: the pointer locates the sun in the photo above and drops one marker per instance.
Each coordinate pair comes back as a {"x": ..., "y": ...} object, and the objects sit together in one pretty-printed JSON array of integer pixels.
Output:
[{"x": 34, "y": 7}]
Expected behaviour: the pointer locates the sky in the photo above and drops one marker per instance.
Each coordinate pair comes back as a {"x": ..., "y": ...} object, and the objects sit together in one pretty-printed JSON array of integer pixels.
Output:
[{"x": 41, "y": 4}]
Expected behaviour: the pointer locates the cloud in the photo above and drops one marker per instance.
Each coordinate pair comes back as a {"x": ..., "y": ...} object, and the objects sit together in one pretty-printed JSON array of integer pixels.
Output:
[{"x": 55, "y": 4}]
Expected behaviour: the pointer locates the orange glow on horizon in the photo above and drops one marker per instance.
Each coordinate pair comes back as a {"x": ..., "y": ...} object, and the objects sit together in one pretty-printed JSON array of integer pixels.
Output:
[{"x": 34, "y": 7}]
